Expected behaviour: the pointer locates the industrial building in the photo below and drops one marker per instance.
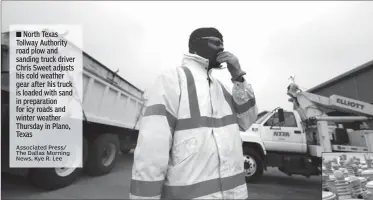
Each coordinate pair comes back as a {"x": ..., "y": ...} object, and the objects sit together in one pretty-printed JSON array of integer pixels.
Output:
[{"x": 356, "y": 84}]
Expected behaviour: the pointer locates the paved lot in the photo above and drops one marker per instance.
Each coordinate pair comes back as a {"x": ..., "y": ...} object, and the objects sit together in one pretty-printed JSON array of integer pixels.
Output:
[{"x": 274, "y": 185}]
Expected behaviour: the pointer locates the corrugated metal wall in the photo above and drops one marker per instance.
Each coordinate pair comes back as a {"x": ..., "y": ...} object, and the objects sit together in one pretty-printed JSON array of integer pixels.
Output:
[{"x": 358, "y": 86}]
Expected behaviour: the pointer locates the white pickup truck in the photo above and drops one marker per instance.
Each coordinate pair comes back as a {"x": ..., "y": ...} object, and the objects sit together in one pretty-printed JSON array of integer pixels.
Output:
[{"x": 112, "y": 108}]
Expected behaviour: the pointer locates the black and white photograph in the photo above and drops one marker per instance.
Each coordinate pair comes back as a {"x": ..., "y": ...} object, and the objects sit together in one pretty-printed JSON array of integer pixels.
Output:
[
  {"x": 187, "y": 100},
  {"x": 347, "y": 176}
]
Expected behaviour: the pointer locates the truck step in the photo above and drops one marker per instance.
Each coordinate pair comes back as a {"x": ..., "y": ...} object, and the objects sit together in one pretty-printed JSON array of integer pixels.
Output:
[{"x": 349, "y": 148}]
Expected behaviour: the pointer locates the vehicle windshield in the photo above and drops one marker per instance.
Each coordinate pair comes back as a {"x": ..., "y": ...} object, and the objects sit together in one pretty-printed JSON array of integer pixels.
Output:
[{"x": 262, "y": 118}]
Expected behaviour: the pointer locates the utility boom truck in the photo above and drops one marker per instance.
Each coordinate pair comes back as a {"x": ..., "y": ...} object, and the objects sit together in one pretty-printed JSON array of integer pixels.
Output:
[{"x": 293, "y": 141}]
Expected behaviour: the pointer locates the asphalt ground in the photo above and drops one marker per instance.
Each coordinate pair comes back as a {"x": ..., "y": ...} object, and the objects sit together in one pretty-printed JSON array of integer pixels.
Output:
[{"x": 116, "y": 185}]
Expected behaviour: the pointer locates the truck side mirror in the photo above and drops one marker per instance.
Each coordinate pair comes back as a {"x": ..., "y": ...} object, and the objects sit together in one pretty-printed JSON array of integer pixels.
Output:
[{"x": 281, "y": 116}]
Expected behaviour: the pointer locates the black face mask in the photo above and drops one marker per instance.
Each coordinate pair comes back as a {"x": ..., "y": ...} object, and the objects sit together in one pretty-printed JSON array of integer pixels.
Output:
[
  {"x": 205, "y": 51},
  {"x": 212, "y": 61}
]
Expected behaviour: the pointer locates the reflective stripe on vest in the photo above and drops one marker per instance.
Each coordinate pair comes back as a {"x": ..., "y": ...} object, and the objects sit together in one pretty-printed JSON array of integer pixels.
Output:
[
  {"x": 146, "y": 188},
  {"x": 203, "y": 188},
  {"x": 152, "y": 188},
  {"x": 160, "y": 109},
  {"x": 196, "y": 120}
]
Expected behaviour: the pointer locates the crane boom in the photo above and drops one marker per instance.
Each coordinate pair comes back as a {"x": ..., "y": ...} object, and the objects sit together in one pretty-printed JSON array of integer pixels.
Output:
[{"x": 308, "y": 105}]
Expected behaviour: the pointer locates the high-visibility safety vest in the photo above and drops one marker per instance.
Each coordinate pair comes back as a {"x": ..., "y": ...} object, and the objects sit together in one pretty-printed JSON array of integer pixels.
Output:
[{"x": 189, "y": 144}]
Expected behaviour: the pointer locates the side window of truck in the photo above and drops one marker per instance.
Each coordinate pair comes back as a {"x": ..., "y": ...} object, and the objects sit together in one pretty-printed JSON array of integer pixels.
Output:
[
  {"x": 273, "y": 120},
  {"x": 290, "y": 120}
]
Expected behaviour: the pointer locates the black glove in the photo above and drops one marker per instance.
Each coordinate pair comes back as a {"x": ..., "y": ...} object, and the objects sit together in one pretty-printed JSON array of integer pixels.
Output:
[{"x": 233, "y": 65}]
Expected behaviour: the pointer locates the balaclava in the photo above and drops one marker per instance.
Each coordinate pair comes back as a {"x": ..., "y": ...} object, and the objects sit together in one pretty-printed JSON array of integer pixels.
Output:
[{"x": 201, "y": 46}]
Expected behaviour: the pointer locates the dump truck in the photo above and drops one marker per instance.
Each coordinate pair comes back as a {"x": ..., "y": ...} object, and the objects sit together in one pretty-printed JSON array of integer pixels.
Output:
[
  {"x": 293, "y": 140},
  {"x": 111, "y": 107}
]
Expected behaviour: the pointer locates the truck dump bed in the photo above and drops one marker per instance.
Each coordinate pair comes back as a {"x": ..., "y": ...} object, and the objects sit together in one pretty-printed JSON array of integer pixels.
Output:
[{"x": 109, "y": 99}]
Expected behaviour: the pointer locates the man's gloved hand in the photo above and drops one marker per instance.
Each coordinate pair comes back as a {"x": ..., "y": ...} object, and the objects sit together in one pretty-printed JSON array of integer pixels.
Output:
[{"x": 233, "y": 64}]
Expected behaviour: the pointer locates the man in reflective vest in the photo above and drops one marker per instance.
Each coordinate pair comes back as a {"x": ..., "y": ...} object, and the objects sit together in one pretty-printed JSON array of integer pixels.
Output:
[{"x": 189, "y": 144}]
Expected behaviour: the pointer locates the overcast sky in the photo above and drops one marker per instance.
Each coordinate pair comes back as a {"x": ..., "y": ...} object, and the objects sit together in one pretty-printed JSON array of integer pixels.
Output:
[{"x": 316, "y": 41}]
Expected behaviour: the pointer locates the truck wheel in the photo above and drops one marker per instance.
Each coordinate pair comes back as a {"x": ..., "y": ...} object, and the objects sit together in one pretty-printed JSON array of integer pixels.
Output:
[
  {"x": 253, "y": 165},
  {"x": 55, "y": 178},
  {"x": 125, "y": 151},
  {"x": 102, "y": 154},
  {"x": 126, "y": 144}
]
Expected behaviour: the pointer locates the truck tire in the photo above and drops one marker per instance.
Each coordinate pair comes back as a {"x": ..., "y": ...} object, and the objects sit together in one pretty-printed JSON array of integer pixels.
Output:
[
  {"x": 125, "y": 151},
  {"x": 253, "y": 165},
  {"x": 102, "y": 154},
  {"x": 126, "y": 144},
  {"x": 55, "y": 178},
  {"x": 50, "y": 179}
]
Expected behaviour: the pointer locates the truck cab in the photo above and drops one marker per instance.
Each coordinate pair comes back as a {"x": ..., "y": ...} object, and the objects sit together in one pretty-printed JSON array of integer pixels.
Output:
[
  {"x": 282, "y": 137},
  {"x": 286, "y": 135}
]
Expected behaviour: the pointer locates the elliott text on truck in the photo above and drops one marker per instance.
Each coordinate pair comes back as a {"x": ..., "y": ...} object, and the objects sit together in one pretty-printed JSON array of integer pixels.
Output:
[{"x": 350, "y": 103}]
